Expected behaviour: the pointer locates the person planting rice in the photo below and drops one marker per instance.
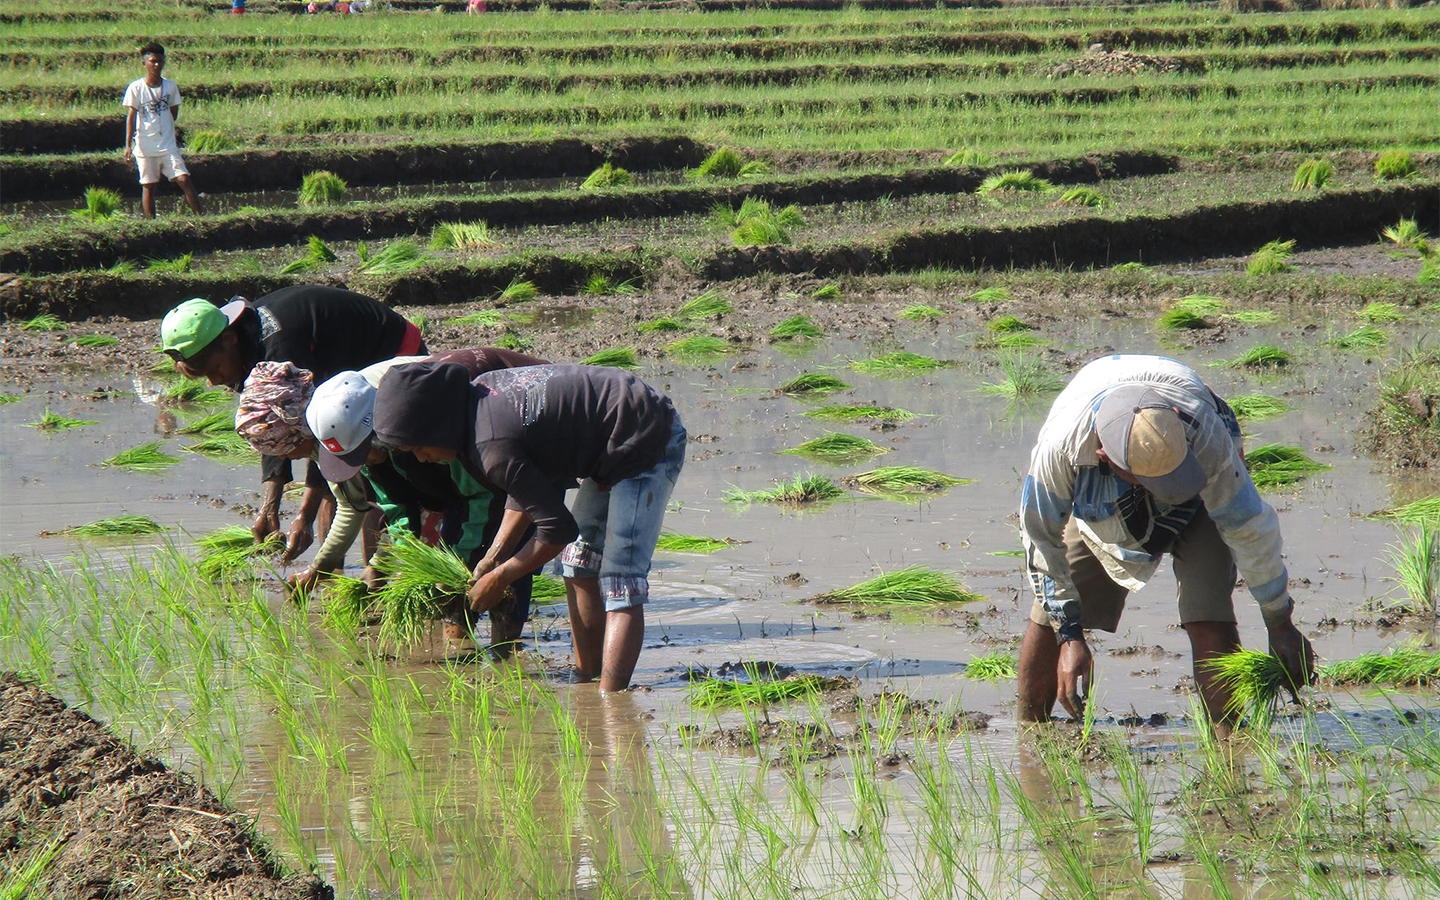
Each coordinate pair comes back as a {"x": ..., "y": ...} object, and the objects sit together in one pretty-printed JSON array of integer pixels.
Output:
[
  {"x": 153, "y": 103},
  {"x": 533, "y": 433},
  {"x": 1138, "y": 458},
  {"x": 323, "y": 330}
]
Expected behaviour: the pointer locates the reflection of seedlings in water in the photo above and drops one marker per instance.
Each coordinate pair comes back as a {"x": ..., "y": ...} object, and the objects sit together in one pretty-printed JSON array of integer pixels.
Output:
[
  {"x": 95, "y": 340},
  {"x": 231, "y": 551},
  {"x": 800, "y": 490},
  {"x": 605, "y": 286},
  {"x": 217, "y": 422},
  {"x": 462, "y": 236},
  {"x": 615, "y": 358},
  {"x": 1178, "y": 318},
  {"x": 346, "y": 604},
  {"x": 838, "y": 448},
  {"x": 546, "y": 587},
  {"x": 842, "y": 413},
  {"x": 1263, "y": 356},
  {"x": 1025, "y": 376},
  {"x": 1258, "y": 407},
  {"x": 1381, "y": 312},
  {"x": 1426, "y": 511},
  {"x": 690, "y": 543},
  {"x": 191, "y": 390},
  {"x": 115, "y": 526},
  {"x": 1406, "y": 667},
  {"x": 812, "y": 384},
  {"x": 517, "y": 291},
  {"x": 317, "y": 254},
  {"x": 992, "y": 295},
  {"x": 52, "y": 422},
  {"x": 146, "y": 458},
  {"x": 899, "y": 363},
  {"x": 1366, "y": 338},
  {"x": 1253, "y": 317},
  {"x": 1416, "y": 561},
  {"x": 1276, "y": 465},
  {"x": 698, "y": 345},
  {"x": 919, "y": 312},
  {"x": 904, "y": 480},
  {"x": 1254, "y": 680},
  {"x": 417, "y": 577},
  {"x": 1007, "y": 325},
  {"x": 1271, "y": 259},
  {"x": 796, "y": 328},
  {"x": 484, "y": 317},
  {"x": 43, "y": 322},
  {"x": 225, "y": 447},
  {"x": 826, "y": 292},
  {"x": 992, "y": 667},
  {"x": 910, "y": 586}
]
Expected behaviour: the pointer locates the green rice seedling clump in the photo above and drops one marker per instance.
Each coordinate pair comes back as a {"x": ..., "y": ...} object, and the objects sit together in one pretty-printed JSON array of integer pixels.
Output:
[
  {"x": 730, "y": 164},
  {"x": 698, "y": 345},
  {"x": 1406, "y": 667},
  {"x": 901, "y": 362},
  {"x": 1416, "y": 561},
  {"x": 904, "y": 480},
  {"x": 826, "y": 292},
  {"x": 396, "y": 258},
  {"x": 796, "y": 328},
  {"x": 462, "y": 236},
  {"x": 919, "y": 312},
  {"x": 615, "y": 358},
  {"x": 1380, "y": 312},
  {"x": 191, "y": 390},
  {"x": 7, "y": 399},
  {"x": 418, "y": 576},
  {"x": 758, "y": 225},
  {"x": 54, "y": 422},
  {"x": 707, "y": 306},
  {"x": 1275, "y": 465},
  {"x": 1312, "y": 175},
  {"x": 209, "y": 142},
  {"x": 714, "y": 693},
  {"x": 799, "y": 490},
  {"x": 843, "y": 413},
  {"x": 346, "y": 603},
  {"x": 1178, "y": 318},
  {"x": 1404, "y": 233},
  {"x": 1271, "y": 259},
  {"x": 604, "y": 286},
  {"x": 1019, "y": 340},
  {"x": 689, "y": 543},
  {"x": 179, "y": 264},
  {"x": 1130, "y": 267},
  {"x": 122, "y": 268},
  {"x": 970, "y": 159},
  {"x": 813, "y": 383},
  {"x": 100, "y": 204},
  {"x": 1254, "y": 680},
  {"x": 230, "y": 552},
  {"x": 322, "y": 188},
  {"x": 1083, "y": 196},
  {"x": 992, "y": 295},
  {"x": 43, "y": 322},
  {"x": 513, "y": 340},
  {"x": 1025, "y": 376},
  {"x": 1258, "y": 407},
  {"x": 1201, "y": 304},
  {"x": 116, "y": 526},
  {"x": 518, "y": 291},
  {"x": 1366, "y": 338},
  {"x": 836, "y": 448},
  {"x": 317, "y": 254},
  {"x": 1254, "y": 317},
  {"x": 1007, "y": 325},
  {"x": 608, "y": 175},
  {"x": 95, "y": 340},
  {"x": 1393, "y": 165},
  {"x": 1263, "y": 356},
  {"x": 225, "y": 447},
  {"x": 910, "y": 586},
  {"x": 1015, "y": 180},
  {"x": 664, "y": 323},
  {"x": 146, "y": 458},
  {"x": 485, "y": 318},
  {"x": 546, "y": 587},
  {"x": 1420, "y": 512},
  {"x": 995, "y": 666}
]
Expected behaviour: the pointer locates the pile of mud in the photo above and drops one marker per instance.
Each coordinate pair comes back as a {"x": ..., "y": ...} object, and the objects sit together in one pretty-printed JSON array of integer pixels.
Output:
[{"x": 1114, "y": 62}]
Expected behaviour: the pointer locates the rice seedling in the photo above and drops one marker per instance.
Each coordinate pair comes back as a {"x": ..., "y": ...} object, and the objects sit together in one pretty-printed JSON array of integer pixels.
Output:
[
  {"x": 226, "y": 447},
  {"x": 100, "y": 204},
  {"x": 1271, "y": 259},
  {"x": 799, "y": 490},
  {"x": 972, "y": 159},
  {"x": 899, "y": 363},
  {"x": 485, "y": 317},
  {"x": 346, "y": 604},
  {"x": 322, "y": 188},
  {"x": 1130, "y": 267},
  {"x": 1016, "y": 180},
  {"x": 19, "y": 879},
  {"x": 43, "y": 322},
  {"x": 517, "y": 291},
  {"x": 191, "y": 390},
  {"x": 50, "y": 421},
  {"x": 231, "y": 551},
  {"x": 7, "y": 399},
  {"x": 417, "y": 577},
  {"x": 122, "y": 268},
  {"x": 1201, "y": 304},
  {"x": 1178, "y": 318},
  {"x": 421, "y": 323},
  {"x": 547, "y": 587},
  {"x": 813, "y": 384},
  {"x": 1254, "y": 681},
  {"x": 1263, "y": 356},
  {"x": 1083, "y": 196},
  {"x": 707, "y": 306},
  {"x": 1275, "y": 465},
  {"x": 837, "y": 449},
  {"x": 1365, "y": 339},
  {"x": 730, "y": 164},
  {"x": 1405, "y": 233},
  {"x": 1019, "y": 340},
  {"x": 919, "y": 312},
  {"x": 1025, "y": 376},
  {"x": 1258, "y": 407},
  {"x": 796, "y": 328},
  {"x": 615, "y": 358},
  {"x": 1426, "y": 511},
  {"x": 910, "y": 586},
  {"x": 178, "y": 265},
  {"x": 209, "y": 142},
  {"x": 1380, "y": 312},
  {"x": 608, "y": 175},
  {"x": 1312, "y": 175},
  {"x": 94, "y": 340},
  {"x": 714, "y": 693},
  {"x": 146, "y": 459},
  {"x": 843, "y": 413},
  {"x": 513, "y": 340},
  {"x": 826, "y": 292},
  {"x": 698, "y": 345},
  {"x": 1416, "y": 561},
  {"x": 1016, "y": 554},
  {"x": 758, "y": 225},
  {"x": 116, "y": 526},
  {"x": 1405, "y": 667},
  {"x": 462, "y": 236},
  {"x": 991, "y": 295},
  {"x": 1253, "y": 317},
  {"x": 605, "y": 286},
  {"x": 317, "y": 254},
  {"x": 992, "y": 667},
  {"x": 904, "y": 480},
  {"x": 664, "y": 323},
  {"x": 1007, "y": 325},
  {"x": 1394, "y": 164},
  {"x": 398, "y": 257},
  {"x": 672, "y": 542}
]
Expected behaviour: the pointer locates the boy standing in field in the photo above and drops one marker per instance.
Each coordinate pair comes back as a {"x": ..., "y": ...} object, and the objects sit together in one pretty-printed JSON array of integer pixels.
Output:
[{"x": 153, "y": 102}]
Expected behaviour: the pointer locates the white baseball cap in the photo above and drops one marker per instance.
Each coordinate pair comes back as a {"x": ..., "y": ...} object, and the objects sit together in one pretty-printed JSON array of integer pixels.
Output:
[{"x": 341, "y": 415}]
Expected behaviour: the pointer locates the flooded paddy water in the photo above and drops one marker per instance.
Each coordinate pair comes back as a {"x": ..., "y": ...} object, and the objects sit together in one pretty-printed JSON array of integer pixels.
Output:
[{"x": 419, "y": 774}]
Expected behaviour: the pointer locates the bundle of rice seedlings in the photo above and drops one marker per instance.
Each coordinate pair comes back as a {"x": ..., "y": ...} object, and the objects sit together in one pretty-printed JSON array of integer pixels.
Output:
[
  {"x": 706, "y": 307},
  {"x": 1263, "y": 356},
  {"x": 991, "y": 295},
  {"x": 1420, "y": 512},
  {"x": 1404, "y": 233},
  {"x": 608, "y": 175},
  {"x": 421, "y": 323},
  {"x": 615, "y": 358},
  {"x": 728, "y": 163},
  {"x": 1019, "y": 340},
  {"x": 1380, "y": 312},
  {"x": 100, "y": 204},
  {"x": 796, "y": 328},
  {"x": 116, "y": 526},
  {"x": 919, "y": 312},
  {"x": 1201, "y": 304},
  {"x": 462, "y": 236},
  {"x": 225, "y": 447},
  {"x": 418, "y": 577},
  {"x": 191, "y": 390},
  {"x": 1254, "y": 317},
  {"x": 43, "y": 322},
  {"x": 209, "y": 142},
  {"x": 231, "y": 551},
  {"x": 1416, "y": 561},
  {"x": 317, "y": 254},
  {"x": 836, "y": 448},
  {"x": 395, "y": 258},
  {"x": 1025, "y": 376},
  {"x": 346, "y": 604},
  {"x": 1271, "y": 259},
  {"x": 94, "y": 340},
  {"x": 1258, "y": 407},
  {"x": 1393, "y": 165},
  {"x": 1312, "y": 174},
  {"x": 513, "y": 340},
  {"x": 547, "y": 587},
  {"x": 901, "y": 362},
  {"x": 484, "y": 317},
  {"x": 146, "y": 458},
  {"x": 7, "y": 399},
  {"x": 664, "y": 323},
  {"x": 1083, "y": 196},
  {"x": 518, "y": 291},
  {"x": 1015, "y": 180},
  {"x": 1254, "y": 680},
  {"x": 174, "y": 266},
  {"x": 1007, "y": 325},
  {"x": 755, "y": 223},
  {"x": 53, "y": 422},
  {"x": 826, "y": 292},
  {"x": 713, "y": 693},
  {"x": 322, "y": 188},
  {"x": 605, "y": 286},
  {"x": 1130, "y": 267},
  {"x": 1366, "y": 338},
  {"x": 799, "y": 490},
  {"x": 904, "y": 480},
  {"x": 992, "y": 667},
  {"x": 812, "y": 384},
  {"x": 1405, "y": 667},
  {"x": 690, "y": 543},
  {"x": 1275, "y": 465},
  {"x": 973, "y": 159},
  {"x": 910, "y": 586},
  {"x": 1178, "y": 318},
  {"x": 843, "y": 413},
  {"x": 698, "y": 345}
]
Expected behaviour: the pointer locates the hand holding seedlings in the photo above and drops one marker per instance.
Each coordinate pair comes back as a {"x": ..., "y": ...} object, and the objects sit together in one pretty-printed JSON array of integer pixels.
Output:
[
  {"x": 268, "y": 521},
  {"x": 488, "y": 590},
  {"x": 302, "y": 582},
  {"x": 1293, "y": 650},
  {"x": 1076, "y": 667}
]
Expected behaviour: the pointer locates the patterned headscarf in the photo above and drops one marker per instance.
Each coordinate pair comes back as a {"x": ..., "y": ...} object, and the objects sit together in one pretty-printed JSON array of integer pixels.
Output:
[{"x": 271, "y": 415}]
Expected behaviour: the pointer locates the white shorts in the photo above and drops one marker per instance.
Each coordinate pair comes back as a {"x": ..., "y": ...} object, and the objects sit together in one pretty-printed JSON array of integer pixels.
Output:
[{"x": 152, "y": 167}]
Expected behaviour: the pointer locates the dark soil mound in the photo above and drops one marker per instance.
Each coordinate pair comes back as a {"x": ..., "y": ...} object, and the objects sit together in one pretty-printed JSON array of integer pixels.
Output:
[{"x": 126, "y": 825}]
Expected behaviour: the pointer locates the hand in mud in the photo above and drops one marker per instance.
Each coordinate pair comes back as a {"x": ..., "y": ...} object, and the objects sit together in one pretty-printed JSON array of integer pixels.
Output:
[
  {"x": 372, "y": 578},
  {"x": 1075, "y": 663},
  {"x": 303, "y": 581},
  {"x": 487, "y": 591},
  {"x": 268, "y": 521},
  {"x": 1293, "y": 650},
  {"x": 301, "y": 536}
]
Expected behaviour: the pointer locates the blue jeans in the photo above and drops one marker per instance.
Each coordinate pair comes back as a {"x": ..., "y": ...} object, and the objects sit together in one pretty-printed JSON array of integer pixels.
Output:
[{"x": 619, "y": 527}]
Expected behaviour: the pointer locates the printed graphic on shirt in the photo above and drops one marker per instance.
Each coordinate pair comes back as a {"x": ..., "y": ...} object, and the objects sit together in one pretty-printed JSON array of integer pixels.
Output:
[
  {"x": 269, "y": 325},
  {"x": 524, "y": 388}
]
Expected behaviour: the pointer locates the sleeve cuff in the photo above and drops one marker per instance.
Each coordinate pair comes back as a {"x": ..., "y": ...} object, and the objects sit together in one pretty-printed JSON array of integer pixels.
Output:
[
  {"x": 1278, "y": 611},
  {"x": 1069, "y": 631}
]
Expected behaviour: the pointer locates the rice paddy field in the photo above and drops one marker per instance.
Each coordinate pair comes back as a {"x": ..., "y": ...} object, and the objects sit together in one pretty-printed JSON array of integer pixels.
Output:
[{"x": 861, "y": 245}]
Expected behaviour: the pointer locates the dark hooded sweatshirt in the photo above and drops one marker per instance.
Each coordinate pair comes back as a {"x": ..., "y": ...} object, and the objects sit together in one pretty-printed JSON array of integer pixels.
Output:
[{"x": 530, "y": 432}]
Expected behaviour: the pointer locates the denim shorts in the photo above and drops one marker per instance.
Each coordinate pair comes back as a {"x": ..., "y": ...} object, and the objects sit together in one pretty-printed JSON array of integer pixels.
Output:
[{"x": 619, "y": 527}]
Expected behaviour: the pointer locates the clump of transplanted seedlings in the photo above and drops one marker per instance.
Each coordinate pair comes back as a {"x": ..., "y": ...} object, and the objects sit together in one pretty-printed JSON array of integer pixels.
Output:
[
  {"x": 1083, "y": 196},
  {"x": 517, "y": 291},
  {"x": 800, "y": 490},
  {"x": 398, "y": 257},
  {"x": 757, "y": 224},
  {"x": 796, "y": 328},
  {"x": 842, "y": 413},
  {"x": 1255, "y": 681},
  {"x": 317, "y": 254},
  {"x": 462, "y": 236},
  {"x": 698, "y": 346},
  {"x": 1415, "y": 243},
  {"x": 121, "y": 268},
  {"x": 225, "y": 447},
  {"x": 608, "y": 175},
  {"x": 1381, "y": 312},
  {"x": 1393, "y": 165},
  {"x": 1015, "y": 181},
  {"x": 1406, "y": 667},
  {"x": 615, "y": 358},
  {"x": 919, "y": 312},
  {"x": 1015, "y": 341},
  {"x": 146, "y": 459},
  {"x": 1025, "y": 376},
  {"x": 51, "y": 421},
  {"x": 1425, "y": 511},
  {"x": 991, "y": 295},
  {"x": 994, "y": 666},
  {"x": 690, "y": 543},
  {"x": 322, "y": 188},
  {"x": 191, "y": 390},
  {"x": 813, "y": 384},
  {"x": 231, "y": 551},
  {"x": 906, "y": 480},
  {"x": 1258, "y": 407},
  {"x": 94, "y": 340},
  {"x": 715, "y": 693},
  {"x": 1416, "y": 561},
  {"x": 100, "y": 204},
  {"x": 115, "y": 526},
  {"x": 970, "y": 159},
  {"x": 1312, "y": 175},
  {"x": 345, "y": 603},
  {"x": 1272, "y": 258},
  {"x": 1275, "y": 465},
  {"x": 1365, "y": 339},
  {"x": 910, "y": 586},
  {"x": 600, "y": 285},
  {"x": 1261, "y": 357},
  {"x": 485, "y": 318},
  {"x": 826, "y": 292},
  {"x": 418, "y": 577},
  {"x": 898, "y": 363},
  {"x": 1132, "y": 267},
  {"x": 43, "y": 322},
  {"x": 838, "y": 449},
  {"x": 175, "y": 265},
  {"x": 1007, "y": 325},
  {"x": 726, "y": 163}
]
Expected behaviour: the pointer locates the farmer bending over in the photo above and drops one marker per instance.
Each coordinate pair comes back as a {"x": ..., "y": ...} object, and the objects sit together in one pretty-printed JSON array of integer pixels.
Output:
[
  {"x": 533, "y": 433},
  {"x": 153, "y": 103},
  {"x": 322, "y": 330},
  {"x": 1138, "y": 457}
]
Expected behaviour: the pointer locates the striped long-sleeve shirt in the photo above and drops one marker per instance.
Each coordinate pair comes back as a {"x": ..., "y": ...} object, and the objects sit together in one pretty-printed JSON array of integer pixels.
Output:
[{"x": 1067, "y": 479}]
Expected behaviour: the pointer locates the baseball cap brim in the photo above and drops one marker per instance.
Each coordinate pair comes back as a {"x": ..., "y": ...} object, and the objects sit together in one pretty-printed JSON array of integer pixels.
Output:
[
  {"x": 1183, "y": 484},
  {"x": 338, "y": 467}
]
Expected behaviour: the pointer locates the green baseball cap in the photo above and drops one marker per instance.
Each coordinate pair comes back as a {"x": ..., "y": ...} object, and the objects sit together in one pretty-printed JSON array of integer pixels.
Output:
[{"x": 190, "y": 327}]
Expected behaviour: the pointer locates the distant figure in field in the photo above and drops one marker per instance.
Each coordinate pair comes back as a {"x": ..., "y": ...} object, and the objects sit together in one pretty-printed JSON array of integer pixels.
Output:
[
  {"x": 237, "y": 7},
  {"x": 153, "y": 102},
  {"x": 475, "y": 6}
]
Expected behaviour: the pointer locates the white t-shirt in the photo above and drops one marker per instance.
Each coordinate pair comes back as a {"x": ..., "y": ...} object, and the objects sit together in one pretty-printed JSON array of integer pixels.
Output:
[{"x": 155, "y": 125}]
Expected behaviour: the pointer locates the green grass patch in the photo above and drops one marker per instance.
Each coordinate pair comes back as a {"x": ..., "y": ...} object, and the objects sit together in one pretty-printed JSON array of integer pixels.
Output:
[
  {"x": 717, "y": 693},
  {"x": 1407, "y": 667},
  {"x": 116, "y": 526},
  {"x": 1393, "y": 165},
  {"x": 486, "y": 318},
  {"x": 813, "y": 384},
  {"x": 146, "y": 459},
  {"x": 615, "y": 358},
  {"x": 1016, "y": 180},
  {"x": 1083, "y": 196},
  {"x": 1133, "y": 267},
  {"x": 843, "y": 413},
  {"x": 50, "y": 421},
  {"x": 175, "y": 266},
  {"x": 800, "y": 490},
  {"x": 418, "y": 579},
  {"x": 1365, "y": 339},
  {"x": 919, "y": 312},
  {"x": 910, "y": 586},
  {"x": 1025, "y": 376},
  {"x": 209, "y": 142},
  {"x": 672, "y": 542},
  {"x": 43, "y": 322},
  {"x": 1312, "y": 175},
  {"x": 991, "y": 295},
  {"x": 996, "y": 666},
  {"x": 899, "y": 363},
  {"x": 1258, "y": 407},
  {"x": 1263, "y": 356},
  {"x": 698, "y": 346},
  {"x": 1380, "y": 312},
  {"x": 322, "y": 188},
  {"x": 608, "y": 175},
  {"x": 837, "y": 448},
  {"x": 1271, "y": 259},
  {"x": 796, "y": 328},
  {"x": 317, "y": 254},
  {"x": 1276, "y": 465},
  {"x": 904, "y": 480},
  {"x": 462, "y": 236}
]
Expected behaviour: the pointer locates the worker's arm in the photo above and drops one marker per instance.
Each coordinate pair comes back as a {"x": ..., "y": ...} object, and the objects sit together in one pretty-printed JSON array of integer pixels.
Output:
[
  {"x": 532, "y": 493},
  {"x": 1046, "y": 504},
  {"x": 350, "y": 510},
  {"x": 130, "y": 117}
]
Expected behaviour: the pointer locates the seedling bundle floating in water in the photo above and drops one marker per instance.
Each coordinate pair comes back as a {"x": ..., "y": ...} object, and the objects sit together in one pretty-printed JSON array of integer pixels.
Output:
[
  {"x": 713, "y": 693},
  {"x": 992, "y": 667},
  {"x": 1407, "y": 667},
  {"x": 418, "y": 578},
  {"x": 114, "y": 526},
  {"x": 1258, "y": 407},
  {"x": 800, "y": 490},
  {"x": 1261, "y": 357},
  {"x": 899, "y": 363},
  {"x": 838, "y": 448},
  {"x": 904, "y": 480},
  {"x": 796, "y": 328},
  {"x": 911, "y": 586},
  {"x": 1420, "y": 512},
  {"x": 813, "y": 383},
  {"x": 617, "y": 358},
  {"x": 690, "y": 543},
  {"x": 146, "y": 459},
  {"x": 843, "y": 413},
  {"x": 1275, "y": 465}
]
